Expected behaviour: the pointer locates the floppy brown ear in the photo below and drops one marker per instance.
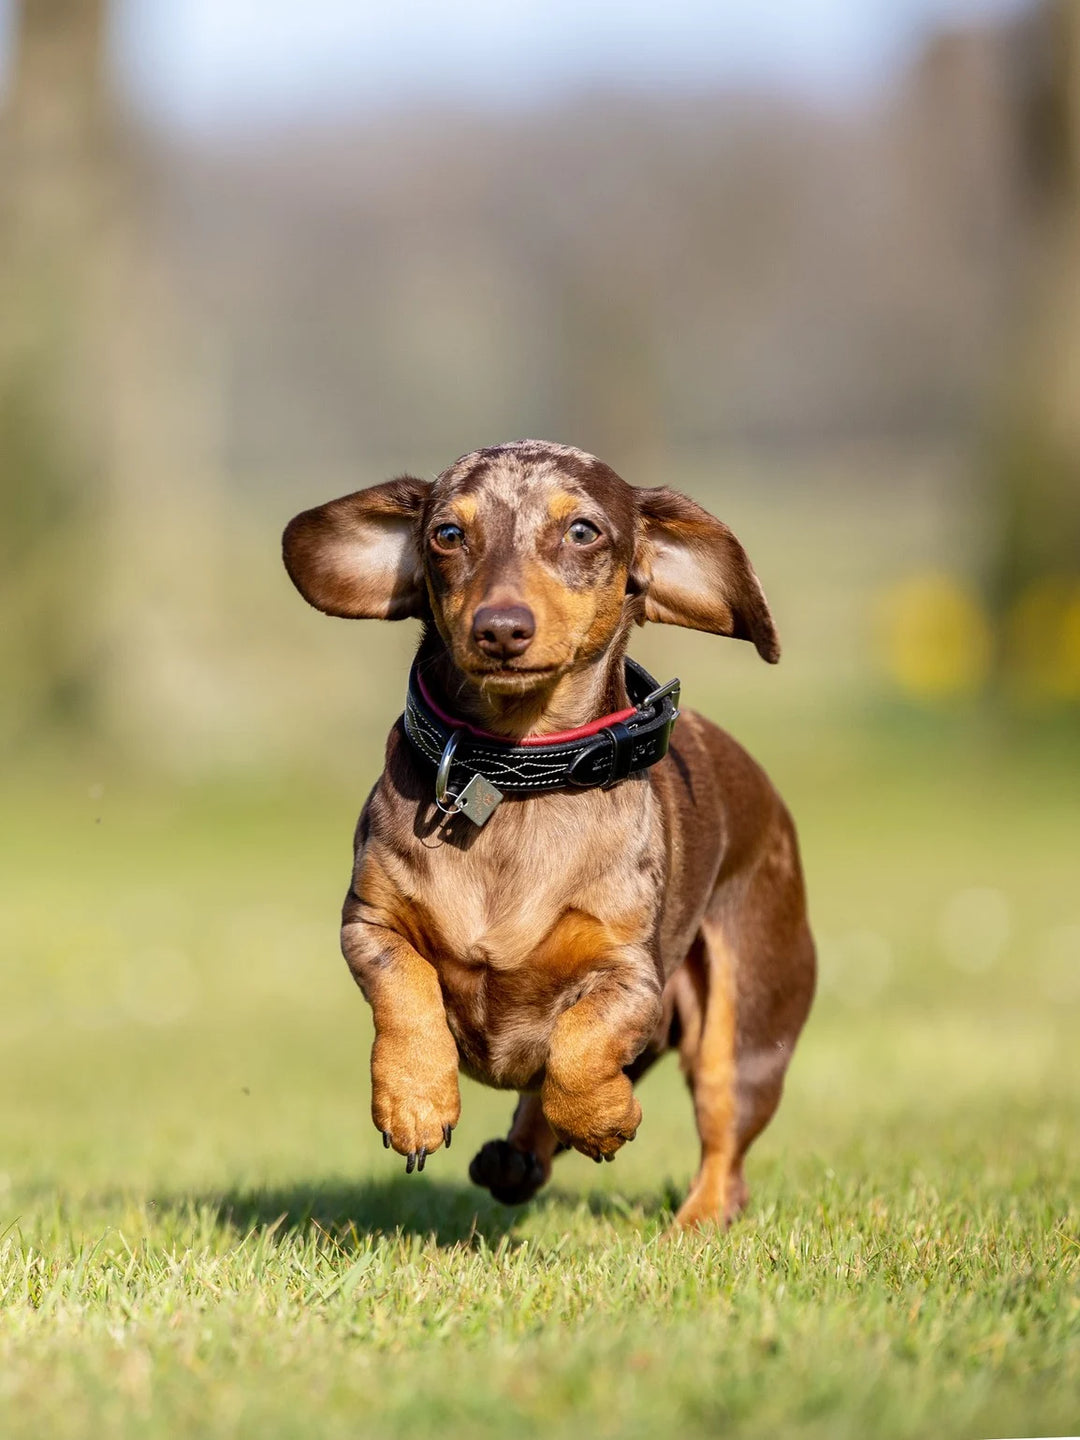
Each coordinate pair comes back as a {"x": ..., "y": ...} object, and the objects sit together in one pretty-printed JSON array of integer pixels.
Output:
[
  {"x": 694, "y": 572},
  {"x": 359, "y": 556}
]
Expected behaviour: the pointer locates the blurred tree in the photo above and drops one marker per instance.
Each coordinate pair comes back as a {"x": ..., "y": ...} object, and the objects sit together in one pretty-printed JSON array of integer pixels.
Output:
[
  {"x": 1034, "y": 435},
  {"x": 54, "y": 144},
  {"x": 109, "y": 526}
]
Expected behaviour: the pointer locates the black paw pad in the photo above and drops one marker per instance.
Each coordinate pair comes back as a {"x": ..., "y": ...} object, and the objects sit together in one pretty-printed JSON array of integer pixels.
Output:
[{"x": 512, "y": 1176}]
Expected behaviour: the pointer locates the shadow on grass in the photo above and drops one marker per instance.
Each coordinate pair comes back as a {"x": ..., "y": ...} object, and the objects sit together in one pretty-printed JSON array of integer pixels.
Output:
[{"x": 448, "y": 1213}]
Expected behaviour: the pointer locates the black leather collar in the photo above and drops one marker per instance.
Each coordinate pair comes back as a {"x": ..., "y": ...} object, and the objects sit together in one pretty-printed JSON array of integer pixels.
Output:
[{"x": 589, "y": 762}]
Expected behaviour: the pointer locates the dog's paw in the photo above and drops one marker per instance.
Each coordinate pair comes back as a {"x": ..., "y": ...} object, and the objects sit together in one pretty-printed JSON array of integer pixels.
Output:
[
  {"x": 513, "y": 1176},
  {"x": 415, "y": 1102},
  {"x": 597, "y": 1121}
]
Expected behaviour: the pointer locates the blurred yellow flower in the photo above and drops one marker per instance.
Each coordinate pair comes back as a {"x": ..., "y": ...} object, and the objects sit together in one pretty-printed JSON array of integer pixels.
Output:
[
  {"x": 1044, "y": 639},
  {"x": 935, "y": 637}
]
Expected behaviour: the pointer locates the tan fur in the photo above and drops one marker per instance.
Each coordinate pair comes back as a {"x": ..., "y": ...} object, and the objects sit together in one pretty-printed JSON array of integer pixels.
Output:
[
  {"x": 562, "y": 948},
  {"x": 708, "y": 1058},
  {"x": 465, "y": 510}
]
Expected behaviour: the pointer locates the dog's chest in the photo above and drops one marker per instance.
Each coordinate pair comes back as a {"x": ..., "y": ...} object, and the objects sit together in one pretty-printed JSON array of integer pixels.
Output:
[
  {"x": 497, "y": 902},
  {"x": 518, "y": 921}
]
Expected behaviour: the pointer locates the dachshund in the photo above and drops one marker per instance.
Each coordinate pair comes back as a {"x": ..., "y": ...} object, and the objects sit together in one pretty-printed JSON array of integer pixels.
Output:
[{"x": 554, "y": 881}]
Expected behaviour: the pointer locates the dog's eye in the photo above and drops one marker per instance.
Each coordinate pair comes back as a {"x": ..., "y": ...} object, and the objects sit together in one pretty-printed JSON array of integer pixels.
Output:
[
  {"x": 448, "y": 537},
  {"x": 582, "y": 532}
]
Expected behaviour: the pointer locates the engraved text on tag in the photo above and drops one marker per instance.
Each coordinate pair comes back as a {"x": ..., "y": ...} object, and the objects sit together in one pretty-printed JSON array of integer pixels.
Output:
[{"x": 478, "y": 800}]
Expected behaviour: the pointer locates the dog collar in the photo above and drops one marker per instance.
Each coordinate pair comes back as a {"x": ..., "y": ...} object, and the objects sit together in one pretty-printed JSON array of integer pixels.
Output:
[{"x": 594, "y": 756}]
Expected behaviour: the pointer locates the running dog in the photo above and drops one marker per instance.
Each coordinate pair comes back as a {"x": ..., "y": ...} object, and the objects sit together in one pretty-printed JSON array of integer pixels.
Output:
[{"x": 554, "y": 882}]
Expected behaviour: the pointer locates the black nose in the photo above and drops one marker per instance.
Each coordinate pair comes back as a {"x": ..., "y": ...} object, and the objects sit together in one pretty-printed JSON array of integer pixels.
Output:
[{"x": 501, "y": 631}]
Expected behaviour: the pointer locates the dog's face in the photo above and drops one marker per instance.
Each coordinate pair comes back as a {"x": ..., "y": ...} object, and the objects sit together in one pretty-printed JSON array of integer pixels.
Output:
[
  {"x": 530, "y": 559},
  {"x": 527, "y": 553}
]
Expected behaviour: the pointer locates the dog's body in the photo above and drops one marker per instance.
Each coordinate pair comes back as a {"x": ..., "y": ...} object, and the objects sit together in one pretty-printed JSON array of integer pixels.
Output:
[{"x": 563, "y": 947}]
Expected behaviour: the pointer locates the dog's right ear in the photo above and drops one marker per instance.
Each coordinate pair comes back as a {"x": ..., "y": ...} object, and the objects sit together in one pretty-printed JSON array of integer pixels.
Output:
[{"x": 359, "y": 557}]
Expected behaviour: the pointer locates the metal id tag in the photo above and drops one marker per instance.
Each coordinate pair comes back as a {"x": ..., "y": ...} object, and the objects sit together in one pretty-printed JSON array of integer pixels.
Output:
[{"x": 478, "y": 800}]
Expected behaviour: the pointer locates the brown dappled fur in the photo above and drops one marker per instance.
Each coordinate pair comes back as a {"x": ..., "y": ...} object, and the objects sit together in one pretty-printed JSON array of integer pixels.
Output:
[
  {"x": 562, "y": 948},
  {"x": 697, "y": 573}
]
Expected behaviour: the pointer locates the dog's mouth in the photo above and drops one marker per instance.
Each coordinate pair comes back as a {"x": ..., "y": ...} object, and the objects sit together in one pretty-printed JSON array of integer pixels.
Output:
[{"x": 513, "y": 677}]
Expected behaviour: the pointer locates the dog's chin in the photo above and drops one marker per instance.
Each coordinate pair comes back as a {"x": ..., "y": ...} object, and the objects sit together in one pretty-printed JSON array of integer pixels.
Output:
[{"x": 513, "y": 680}]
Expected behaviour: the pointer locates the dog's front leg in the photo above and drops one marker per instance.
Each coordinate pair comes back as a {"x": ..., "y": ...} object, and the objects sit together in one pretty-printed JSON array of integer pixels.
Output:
[
  {"x": 587, "y": 1099},
  {"x": 415, "y": 1100}
]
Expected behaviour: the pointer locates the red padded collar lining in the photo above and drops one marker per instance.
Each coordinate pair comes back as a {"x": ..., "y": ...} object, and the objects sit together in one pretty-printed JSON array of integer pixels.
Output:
[{"x": 581, "y": 733}]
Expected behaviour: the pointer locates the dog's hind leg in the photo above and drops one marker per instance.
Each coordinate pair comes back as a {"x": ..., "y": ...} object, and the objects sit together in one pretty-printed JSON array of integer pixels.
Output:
[
  {"x": 752, "y": 971},
  {"x": 706, "y": 1001},
  {"x": 514, "y": 1169}
]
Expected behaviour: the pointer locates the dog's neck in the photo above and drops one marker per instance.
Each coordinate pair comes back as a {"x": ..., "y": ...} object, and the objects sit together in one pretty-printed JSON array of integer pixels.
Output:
[{"x": 580, "y": 696}]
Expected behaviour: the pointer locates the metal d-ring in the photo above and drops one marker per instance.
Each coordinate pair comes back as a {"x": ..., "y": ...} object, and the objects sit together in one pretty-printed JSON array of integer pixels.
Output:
[
  {"x": 672, "y": 688},
  {"x": 442, "y": 776}
]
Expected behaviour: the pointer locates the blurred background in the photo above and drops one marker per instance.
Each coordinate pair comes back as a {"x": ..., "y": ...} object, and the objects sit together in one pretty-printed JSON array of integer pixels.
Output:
[{"x": 816, "y": 264}]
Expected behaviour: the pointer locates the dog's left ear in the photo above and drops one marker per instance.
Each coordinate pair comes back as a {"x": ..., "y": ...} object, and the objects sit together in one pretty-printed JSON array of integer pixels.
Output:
[
  {"x": 693, "y": 572},
  {"x": 359, "y": 557}
]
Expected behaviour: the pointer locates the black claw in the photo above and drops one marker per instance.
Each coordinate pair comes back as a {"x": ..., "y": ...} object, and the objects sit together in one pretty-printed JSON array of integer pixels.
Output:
[
  {"x": 410, "y": 1163},
  {"x": 609, "y": 1158},
  {"x": 598, "y": 1158},
  {"x": 386, "y": 1139},
  {"x": 448, "y": 1135},
  {"x": 421, "y": 1157}
]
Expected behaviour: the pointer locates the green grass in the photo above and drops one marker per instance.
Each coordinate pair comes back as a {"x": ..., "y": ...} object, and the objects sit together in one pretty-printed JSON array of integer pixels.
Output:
[{"x": 204, "y": 1235}]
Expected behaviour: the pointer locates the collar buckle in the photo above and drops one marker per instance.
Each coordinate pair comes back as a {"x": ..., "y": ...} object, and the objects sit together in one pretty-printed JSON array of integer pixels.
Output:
[
  {"x": 672, "y": 688},
  {"x": 618, "y": 751}
]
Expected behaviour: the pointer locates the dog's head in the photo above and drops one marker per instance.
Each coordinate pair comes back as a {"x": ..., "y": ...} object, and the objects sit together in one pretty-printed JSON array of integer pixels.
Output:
[{"x": 530, "y": 559}]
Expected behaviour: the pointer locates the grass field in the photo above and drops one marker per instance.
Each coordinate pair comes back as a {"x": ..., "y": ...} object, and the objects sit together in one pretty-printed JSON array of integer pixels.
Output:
[{"x": 202, "y": 1234}]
